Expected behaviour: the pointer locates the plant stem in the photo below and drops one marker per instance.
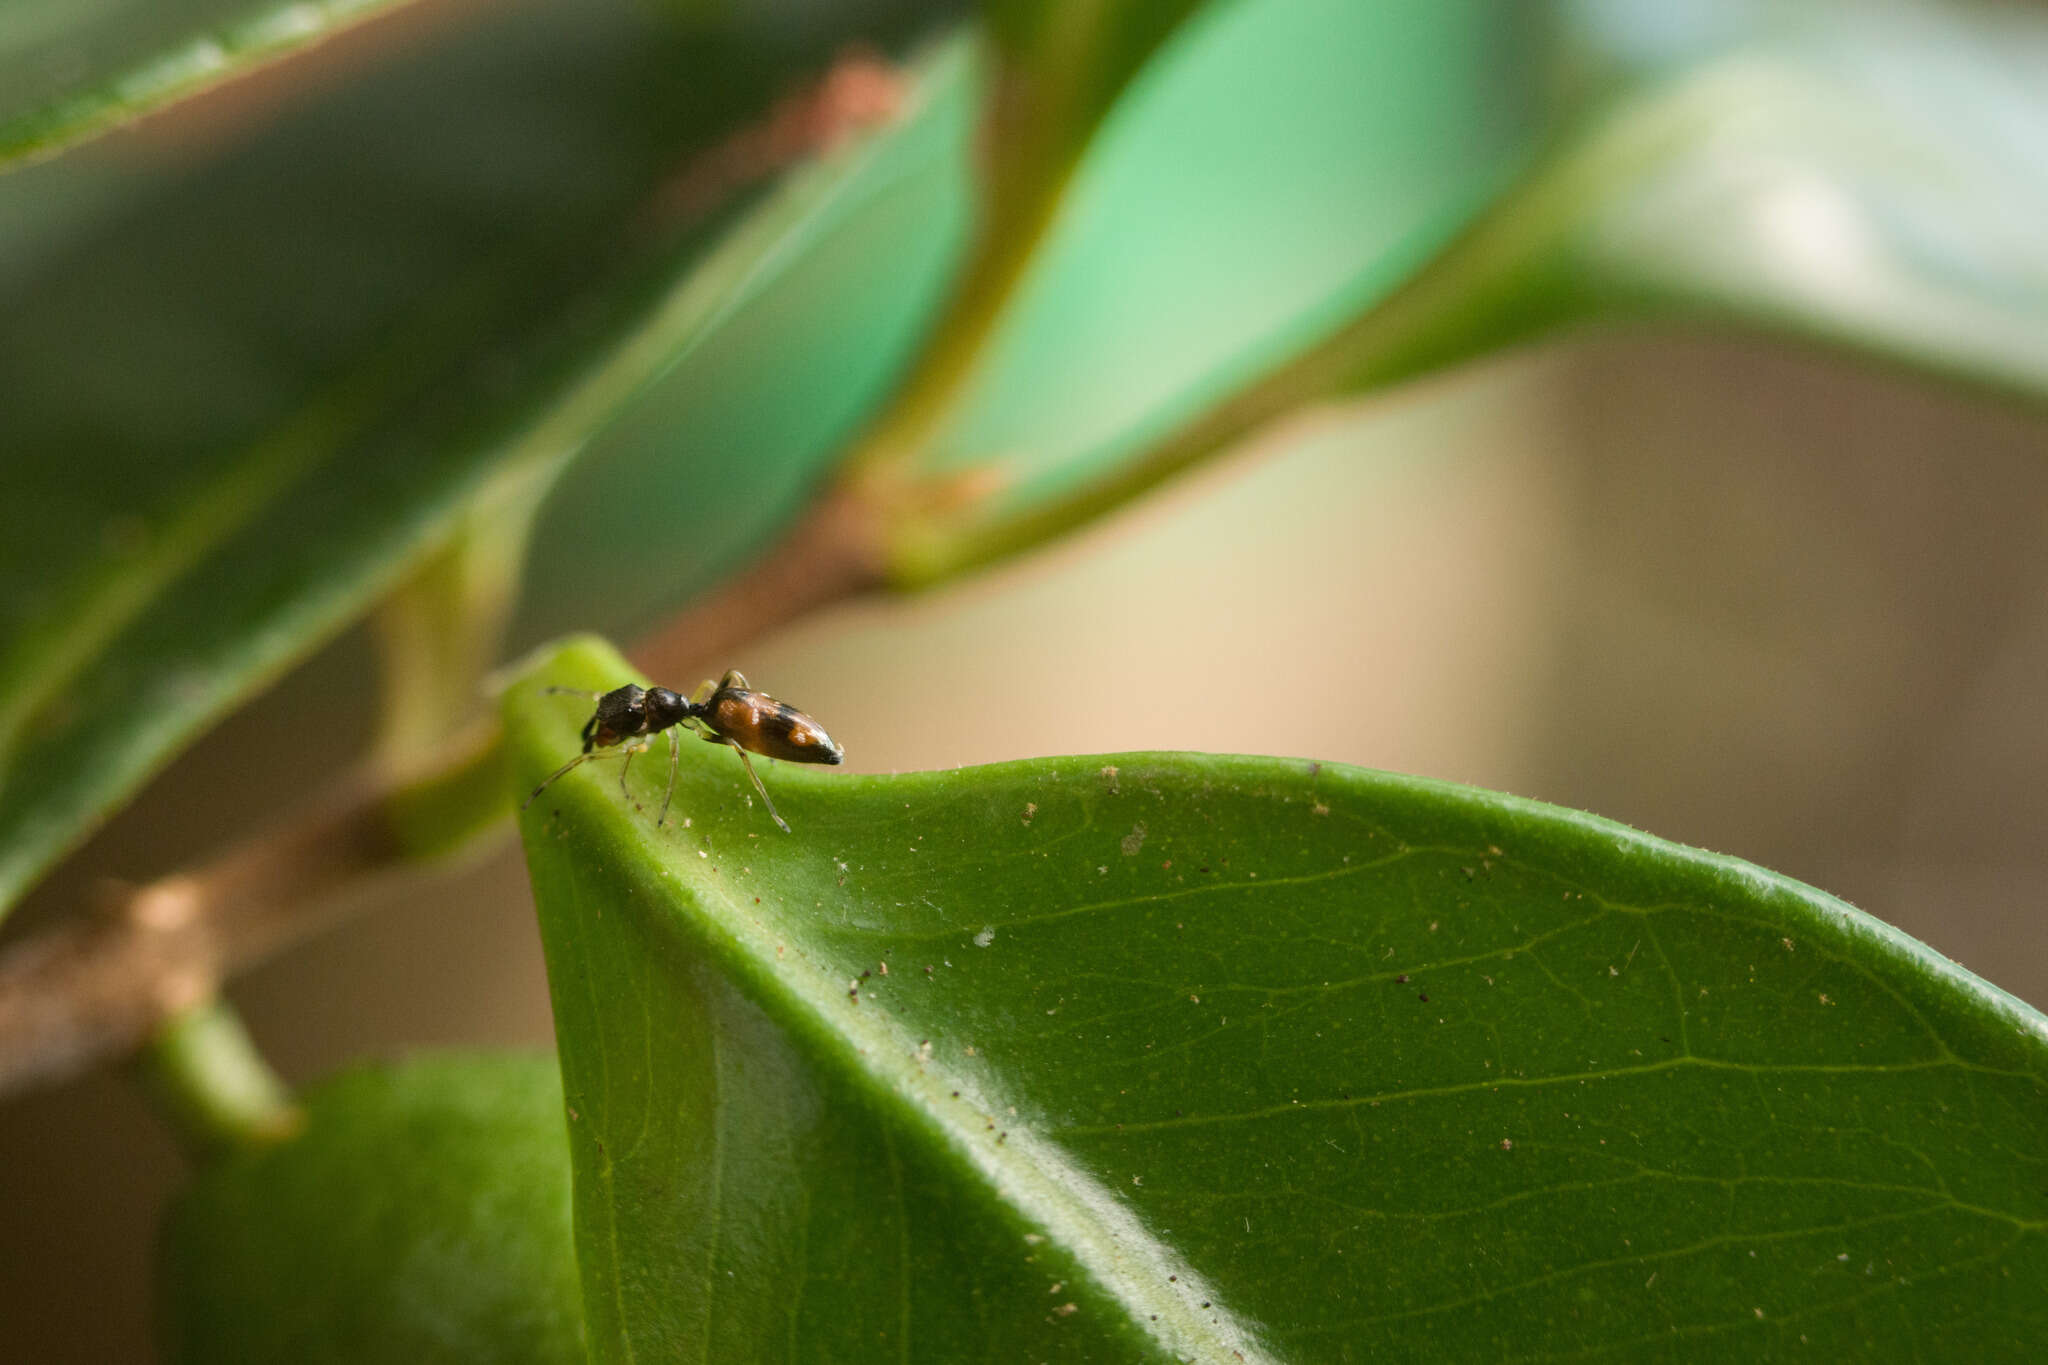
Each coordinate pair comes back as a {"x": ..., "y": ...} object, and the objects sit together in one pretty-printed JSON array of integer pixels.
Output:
[
  {"x": 95, "y": 987},
  {"x": 213, "y": 1084}
]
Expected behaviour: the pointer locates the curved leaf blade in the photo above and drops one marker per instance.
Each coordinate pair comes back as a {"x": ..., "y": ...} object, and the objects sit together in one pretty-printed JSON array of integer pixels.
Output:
[{"x": 1170, "y": 1056}]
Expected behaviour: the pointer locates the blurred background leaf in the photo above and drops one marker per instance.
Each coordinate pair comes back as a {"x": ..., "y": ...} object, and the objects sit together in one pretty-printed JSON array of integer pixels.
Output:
[
  {"x": 1260, "y": 228},
  {"x": 1280, "y": 169},
  {"x": 1864, "y": 176},
  {"x": 1250, "y": 1055},
  {"x": 293, "y": 368},
  {"x": 423, "y": 1215}
]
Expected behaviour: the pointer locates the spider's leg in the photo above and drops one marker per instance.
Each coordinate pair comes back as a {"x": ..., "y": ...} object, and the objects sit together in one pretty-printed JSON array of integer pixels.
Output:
[
  {"x": 748, "y": 764},
  {"x": 580, "y": 758},
  {"x": 550, "y": 781},
  {"x": 629, "y": 751},
  {"x": 675, "y": 755}
]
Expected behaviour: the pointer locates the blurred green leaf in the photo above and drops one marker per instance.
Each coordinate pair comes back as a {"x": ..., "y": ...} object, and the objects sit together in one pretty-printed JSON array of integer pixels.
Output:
[
  {"x": 1281, "y": 169},
  {"x": 422, "y": 1215},
  {"x": 701, "y": 470},
  {"x": 1309, "y": 200},
  {"x": 1052, "y": 73},
  {"x": 1171, "y": 1056},
  {"x": 72, "y": 68},
  {"x": 1870, "y": 177},
  {"x": 1057, "y": 69},
  {"x": 292, "y": 372}
]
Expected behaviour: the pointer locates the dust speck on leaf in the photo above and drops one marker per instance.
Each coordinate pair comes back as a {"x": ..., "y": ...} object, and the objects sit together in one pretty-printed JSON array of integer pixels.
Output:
[
  {"x": 986, "y": 936},
  {"x": 1030, "y": 809},
  {"x": 1135, "y": 840},
  {"x": 1108, "y": 774}
]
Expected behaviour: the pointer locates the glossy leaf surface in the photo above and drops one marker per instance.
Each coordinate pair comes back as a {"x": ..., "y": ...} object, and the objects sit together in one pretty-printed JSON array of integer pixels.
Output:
[
  {"x": 1171, "y": 1056},
  {"x": 294, "y": 369},
  {"x": 423, "y": 1215}
]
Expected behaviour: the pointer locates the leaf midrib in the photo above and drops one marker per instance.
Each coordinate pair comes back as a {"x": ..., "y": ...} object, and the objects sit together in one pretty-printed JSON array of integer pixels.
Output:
[{"x": 1036, "y": 1179}]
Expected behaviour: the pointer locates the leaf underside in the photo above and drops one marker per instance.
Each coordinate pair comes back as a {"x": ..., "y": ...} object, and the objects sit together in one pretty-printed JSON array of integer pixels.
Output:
[{"x": 1170, "y": 1056}]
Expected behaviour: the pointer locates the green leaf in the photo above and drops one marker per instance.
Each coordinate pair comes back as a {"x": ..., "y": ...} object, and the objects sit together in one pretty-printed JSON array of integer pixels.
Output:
[
  {"x": 1057, "y": 69},
  {"x": 69, "y": 70},
  {"x": 1277, "y": 171},
  {"x": 1309, "y": 201},
  {"x": 422, "y": 1215},
  {"x": 296, "y": 370},
  {"x": 1869, "y": 177},
  {"x": 1053, "y": 73},
  {"x": 1171, "y": 1056}
]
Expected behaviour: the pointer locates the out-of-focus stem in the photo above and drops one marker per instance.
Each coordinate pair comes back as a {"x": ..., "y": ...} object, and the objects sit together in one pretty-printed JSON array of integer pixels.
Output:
[
  {"x": 95, "y": 987},
  {"x": 214, "y": 1085}
]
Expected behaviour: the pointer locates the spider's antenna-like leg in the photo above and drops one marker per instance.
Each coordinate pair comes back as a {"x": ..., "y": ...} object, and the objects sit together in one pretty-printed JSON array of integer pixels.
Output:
[
  {"x": 571, "y": 692},
  {"x": 580, "y": 758},
  {"x": 748, "y": 764},
  {"x": 562, "y": 771}
]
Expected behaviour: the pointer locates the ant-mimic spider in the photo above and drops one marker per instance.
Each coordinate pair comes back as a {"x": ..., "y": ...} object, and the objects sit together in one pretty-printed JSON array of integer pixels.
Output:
[{"x": 724, "y": 712}]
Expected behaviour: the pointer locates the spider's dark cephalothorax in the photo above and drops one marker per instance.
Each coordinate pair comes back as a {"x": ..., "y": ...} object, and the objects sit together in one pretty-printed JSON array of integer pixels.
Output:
[{"x": 724, "y": 712}]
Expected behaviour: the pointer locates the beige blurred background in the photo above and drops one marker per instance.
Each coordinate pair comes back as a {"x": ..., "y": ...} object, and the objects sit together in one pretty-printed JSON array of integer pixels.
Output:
[{"x": 1774, "y": 604}]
